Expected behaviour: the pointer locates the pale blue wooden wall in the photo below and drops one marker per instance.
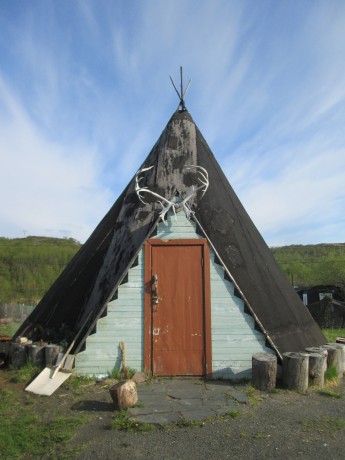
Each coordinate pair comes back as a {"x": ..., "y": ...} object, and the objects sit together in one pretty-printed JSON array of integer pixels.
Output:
[{"x": 234, "y": 338}]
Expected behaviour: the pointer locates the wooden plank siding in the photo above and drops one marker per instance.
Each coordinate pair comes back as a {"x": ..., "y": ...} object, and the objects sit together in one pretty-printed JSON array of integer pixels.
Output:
[{"x": 234, "y": 338}]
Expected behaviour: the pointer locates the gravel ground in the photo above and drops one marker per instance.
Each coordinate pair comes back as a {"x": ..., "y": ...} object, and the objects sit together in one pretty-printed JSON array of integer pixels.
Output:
[
  {"x": 282, "y": 425},
  {"x": 279, "y": 425}
]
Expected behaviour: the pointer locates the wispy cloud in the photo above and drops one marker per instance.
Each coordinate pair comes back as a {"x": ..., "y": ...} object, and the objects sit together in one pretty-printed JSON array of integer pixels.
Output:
[{"x": 84, "y": 95}]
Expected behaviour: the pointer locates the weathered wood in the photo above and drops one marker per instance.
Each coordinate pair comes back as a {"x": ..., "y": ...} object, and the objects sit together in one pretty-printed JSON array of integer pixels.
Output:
[
  {"x": 322, "y": 351},
  {"x": 18, "y": 354},
  {"x": 51, "y": 353},
  {"x": 296, "y": 371},
  {"x": 264, "y": 371},
  {"x": 334, "y": 358},
  {"x": 317, "y": 369},
  {"x": 340, "y": 347},
  {"x": 36, "y": 354},
  {"x": 124, "y": 394}
]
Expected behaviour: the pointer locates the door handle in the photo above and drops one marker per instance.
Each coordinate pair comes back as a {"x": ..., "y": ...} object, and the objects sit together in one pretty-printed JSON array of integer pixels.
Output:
[{"x": 154, "y": 292}]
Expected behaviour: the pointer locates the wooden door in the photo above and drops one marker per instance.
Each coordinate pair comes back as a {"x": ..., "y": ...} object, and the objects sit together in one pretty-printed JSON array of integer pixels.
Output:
[{"x": 177, "y": 310}]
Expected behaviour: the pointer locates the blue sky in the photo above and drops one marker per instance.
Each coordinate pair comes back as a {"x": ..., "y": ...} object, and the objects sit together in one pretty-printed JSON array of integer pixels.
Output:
[{"x": 85, "y": 93}]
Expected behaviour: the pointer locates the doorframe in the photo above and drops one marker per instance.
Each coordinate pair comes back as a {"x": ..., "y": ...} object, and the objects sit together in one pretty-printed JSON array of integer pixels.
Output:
[{"x": 148, "y": 338}]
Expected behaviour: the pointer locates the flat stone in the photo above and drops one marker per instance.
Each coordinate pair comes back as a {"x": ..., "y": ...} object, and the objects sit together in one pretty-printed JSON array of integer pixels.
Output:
[
  {"x": 197, "y": 414},
  {"x": 139, "y": 377},
  {"x": 189, "y": 393},
  {"x": 239, "y": 396},
  {"x": 216, "y": 397},
  {"x": 223, "y": 410},
  {"x": 158, "y": 419},
  {"x": 178, "y": 404}
]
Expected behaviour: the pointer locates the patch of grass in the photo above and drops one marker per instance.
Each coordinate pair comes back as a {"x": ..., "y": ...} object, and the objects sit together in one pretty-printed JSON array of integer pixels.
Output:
[
  {"x": 253, "y": 395},
  {"x": 184, "y": 423},
  {"x": 324, "y": 424},
  {"x": 25, "y": 434},
  {"x": 330, "y": 393},
  {"x": 77, "y": 381},
  {"x": 118, "y": 374},
  {"x": 244, "y": 435},
  {"x": 9, "y": 329},
  {"x": 259, "y": 436},
  {"x": 233, "y": 414},
  {"x": 331, "y": 374},
  {"x": 332, "y": 334},
  {"x": 122, "y": 422},
  {"x": 25, "y": 373}
]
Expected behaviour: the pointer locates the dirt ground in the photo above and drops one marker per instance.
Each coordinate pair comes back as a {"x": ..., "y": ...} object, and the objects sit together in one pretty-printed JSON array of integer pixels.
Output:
[{"x": 282, "y": 424}]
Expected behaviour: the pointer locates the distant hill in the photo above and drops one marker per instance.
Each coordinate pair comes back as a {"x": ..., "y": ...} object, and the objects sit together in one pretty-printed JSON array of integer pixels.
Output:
[
  {"x": 29, "y": 266},
  {"x": 312, "y": 264}
]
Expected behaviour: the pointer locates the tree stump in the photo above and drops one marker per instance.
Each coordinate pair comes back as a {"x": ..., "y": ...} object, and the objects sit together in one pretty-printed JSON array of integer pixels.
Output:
[
  {"x": 340, "y": 347},
  {"x": 18, "y": 354},
  {"x": 124, "y": 394},
  {"x": 36, "y": 354},
  {"x": 296, "y": 371},
  {"x": 334, "y": 358},
  {"x": 319, "y": 350},
  {"x": 317, "y": 369},
  {"x": 264, "y": 371},
  {"x": 51, "y": 353}
]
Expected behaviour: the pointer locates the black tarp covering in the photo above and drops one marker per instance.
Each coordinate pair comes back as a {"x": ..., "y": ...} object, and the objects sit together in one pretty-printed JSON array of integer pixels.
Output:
[{"x": 80, "y": 295}]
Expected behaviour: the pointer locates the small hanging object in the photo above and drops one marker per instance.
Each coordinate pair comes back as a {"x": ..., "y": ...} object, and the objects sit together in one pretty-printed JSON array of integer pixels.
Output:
[{"x": 182, "y": 93}]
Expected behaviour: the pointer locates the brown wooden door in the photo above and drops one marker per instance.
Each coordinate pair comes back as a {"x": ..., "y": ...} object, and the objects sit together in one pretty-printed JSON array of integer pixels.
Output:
[{"x": 177, "y": 325}]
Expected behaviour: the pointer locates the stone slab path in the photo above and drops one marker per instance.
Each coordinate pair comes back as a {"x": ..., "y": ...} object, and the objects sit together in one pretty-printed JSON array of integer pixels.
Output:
[{"x": 170, "y": 400}]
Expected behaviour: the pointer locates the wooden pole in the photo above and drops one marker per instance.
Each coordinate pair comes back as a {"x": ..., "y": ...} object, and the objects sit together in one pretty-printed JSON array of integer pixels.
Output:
[
  {"x": 296, "y": 371},
  {"x": 264, "y": 371}
]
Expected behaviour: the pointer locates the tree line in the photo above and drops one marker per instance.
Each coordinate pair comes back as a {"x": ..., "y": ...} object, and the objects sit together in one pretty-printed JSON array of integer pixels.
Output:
[{"x": 29, "y": 266}]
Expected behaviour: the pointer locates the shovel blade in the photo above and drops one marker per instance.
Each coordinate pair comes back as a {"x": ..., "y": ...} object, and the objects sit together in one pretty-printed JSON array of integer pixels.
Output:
[{"x": 45, "y": 384}]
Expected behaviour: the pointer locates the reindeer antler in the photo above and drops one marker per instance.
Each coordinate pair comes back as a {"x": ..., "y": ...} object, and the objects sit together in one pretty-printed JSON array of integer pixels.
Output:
[
  {"x": 166, "y": 204},
  {"x": 140, "y": 190}
]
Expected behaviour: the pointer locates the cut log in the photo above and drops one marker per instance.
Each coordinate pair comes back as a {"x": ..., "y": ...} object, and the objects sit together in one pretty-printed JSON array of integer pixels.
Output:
[
  {"x": 51, "y": 353},
  {"x": 319, "y": 350},
  {"x": 340, "y": 347},
  {"x": 124, "y": 394},
  {"x": 36, "y": 354},
  {"x": 18, "y": 354},
  {"x": 317, "y": 369},
  {"x": 334, "y": 358},
  {"x": 264, "y": 371},
  {"x": 296, "y": 371}
]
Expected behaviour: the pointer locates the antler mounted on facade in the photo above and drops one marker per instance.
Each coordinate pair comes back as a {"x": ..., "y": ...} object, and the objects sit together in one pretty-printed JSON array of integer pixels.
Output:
[
  {"x": 165, "y": 203},
  {"x": 203, "y": 178}
]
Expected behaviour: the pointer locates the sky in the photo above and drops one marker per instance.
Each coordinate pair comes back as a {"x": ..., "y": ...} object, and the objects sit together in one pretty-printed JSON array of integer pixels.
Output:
[{"x": 85, "y": 93}]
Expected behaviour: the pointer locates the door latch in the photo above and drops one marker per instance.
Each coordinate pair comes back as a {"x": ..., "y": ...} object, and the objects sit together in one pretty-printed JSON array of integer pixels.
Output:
[{"x": 154, "y": 295}]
